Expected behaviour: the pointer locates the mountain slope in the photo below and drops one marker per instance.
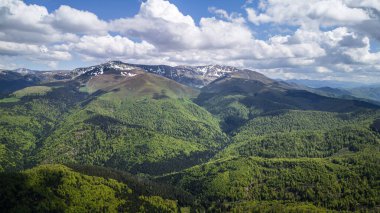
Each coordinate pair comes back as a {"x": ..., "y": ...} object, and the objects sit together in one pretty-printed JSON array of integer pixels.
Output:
[
  {"x": 240, "y": 96},
  {"x": 13, "y": 80},
  {"x": 134, "y": 121},
  {"x": 342, "y": 183},
  {"x": 346, "y": 90},
  {"x": 27, "y": 121},
  {"x": 368, "y": 92},
  {"x": 56, "y": 188}
]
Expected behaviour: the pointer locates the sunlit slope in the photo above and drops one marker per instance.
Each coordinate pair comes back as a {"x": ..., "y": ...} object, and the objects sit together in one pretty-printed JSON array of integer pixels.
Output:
[{"x": 138, "y": 123}]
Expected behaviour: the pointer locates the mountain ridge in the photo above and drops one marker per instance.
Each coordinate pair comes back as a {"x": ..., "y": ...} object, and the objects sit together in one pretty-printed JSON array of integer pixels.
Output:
[{"x": 195, "y": 76}]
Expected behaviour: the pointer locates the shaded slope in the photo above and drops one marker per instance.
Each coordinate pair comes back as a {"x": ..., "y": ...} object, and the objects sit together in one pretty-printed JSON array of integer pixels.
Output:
[
  {"x": 13, "y": 81},
  {"x": 238, "y": 97},
  {"x": 56, "y": 188}
]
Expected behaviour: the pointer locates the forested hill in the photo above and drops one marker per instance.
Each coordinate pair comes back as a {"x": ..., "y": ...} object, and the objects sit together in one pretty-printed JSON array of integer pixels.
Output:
[{"x": 123, "y": 137}]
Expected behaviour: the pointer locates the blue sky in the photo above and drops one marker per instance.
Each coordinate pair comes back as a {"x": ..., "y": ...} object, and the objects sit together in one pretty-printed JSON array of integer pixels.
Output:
[
  {"x": 109, "y": 10},
  {"x": 318, "y": 39}
]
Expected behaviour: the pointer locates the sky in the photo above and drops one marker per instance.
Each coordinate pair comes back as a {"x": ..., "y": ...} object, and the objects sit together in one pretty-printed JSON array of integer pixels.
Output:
[{"x": 287, "y": 39}]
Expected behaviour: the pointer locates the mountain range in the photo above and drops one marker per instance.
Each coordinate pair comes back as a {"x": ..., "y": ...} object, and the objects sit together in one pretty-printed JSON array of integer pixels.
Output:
[{"x": 157, "y": 138}]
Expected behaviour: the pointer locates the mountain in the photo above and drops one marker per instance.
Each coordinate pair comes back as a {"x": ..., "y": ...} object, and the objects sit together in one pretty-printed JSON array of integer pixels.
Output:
[
  {"x": 335, "y": 92},
  {"x": 13, "y": 80},
  {"x": 367, "y": 92},
  {"x": 56, "y": 188},
  {"x": 346, "y": 90},
  {"x": 240, "y": 96},
  {"x": 326, "y": 83},
  {"x": 127, "y": 119},
  {"x": 194, "y": 76},
  {"x": 127, "y": 137},
  {"x": 285, "y": 144}
]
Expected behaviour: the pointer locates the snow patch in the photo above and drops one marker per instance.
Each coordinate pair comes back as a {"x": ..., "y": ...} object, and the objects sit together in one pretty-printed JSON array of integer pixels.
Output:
[{"x": 128, "y": 74}]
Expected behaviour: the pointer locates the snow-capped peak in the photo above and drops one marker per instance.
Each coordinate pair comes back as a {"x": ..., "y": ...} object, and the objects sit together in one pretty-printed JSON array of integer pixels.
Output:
[
  {"x": 118, "y": 65},
  {"x": 103, "y": 68},
  {"x": 196, "y": 76},
  {"x": 128, "y": 74},
  {"x": 215, "y": 70}
]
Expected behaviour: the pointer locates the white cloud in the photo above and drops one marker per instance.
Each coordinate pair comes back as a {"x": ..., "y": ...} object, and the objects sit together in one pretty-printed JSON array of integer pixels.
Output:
[
  {"x": 32, "y": 51},
  {"x": 163, "y": 25},
  {"x": 22, "y": 22},
  {"x": 360, "y": 15},
  {"x": 257, "y": 19},
  {"x": 335, "y": 12},
  {"x": 303, "y": 13},
  {"x": 362, "y": 55},
  {"x": 219, "y": 12},
  {"x": 164, "y": 10},
  {"x": 223, "y": 34},
  {"x": 24, "y": 17},
  {"x": 160, "y": 23},
  {"x": 227, "y": 41},
  {"x": 108, "y": 47},
  {"x": 321, "y": 69},
  {"x": 375, "y": 4},
  {"x": 236, "y": 17},
  {"x": 71, "y": 20}
]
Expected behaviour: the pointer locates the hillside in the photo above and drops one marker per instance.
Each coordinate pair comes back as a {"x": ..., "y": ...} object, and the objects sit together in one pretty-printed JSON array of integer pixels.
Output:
[
  {"x": 58, "y": 188},
  {"x": 342, "y": 183},
  {"x": 241, "y": 96},
  {"x": 131, "y": 120}
]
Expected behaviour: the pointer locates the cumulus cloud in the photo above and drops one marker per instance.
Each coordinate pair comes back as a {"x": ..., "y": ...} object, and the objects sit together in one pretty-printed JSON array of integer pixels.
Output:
[
  {"x": 162, "y": 24},
  {"x": 71, "y": 20},
  {"x": 213, "y": 40},
  {"x": 225, "y": 15},
  {"x": 364, "y": 4},
  {"x": 360, "y": 15},
  {"x": 299, "y": 12},
  {"x": 30, "y": 31},
  {"x": 18, "y": 20},
  {"x": 108, "y": 47},
  {"x": 32, "y": 51}
]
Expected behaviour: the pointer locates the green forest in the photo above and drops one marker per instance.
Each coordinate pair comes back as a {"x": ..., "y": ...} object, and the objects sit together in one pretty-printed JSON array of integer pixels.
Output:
[{"x": 237, "y": 145}]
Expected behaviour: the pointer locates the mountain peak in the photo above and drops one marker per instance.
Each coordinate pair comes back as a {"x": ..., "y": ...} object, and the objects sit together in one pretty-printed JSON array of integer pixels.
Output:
[
  {"x": 194, "y": 76},
  {"x": 103, "y": 68}
]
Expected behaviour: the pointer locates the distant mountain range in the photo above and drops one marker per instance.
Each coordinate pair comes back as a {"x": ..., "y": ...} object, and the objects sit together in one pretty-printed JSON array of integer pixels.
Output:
[
  {"x": 193, "y": 76},
  {"x": 341, "y": 88},
  {"x": 327, "y": 83}
]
